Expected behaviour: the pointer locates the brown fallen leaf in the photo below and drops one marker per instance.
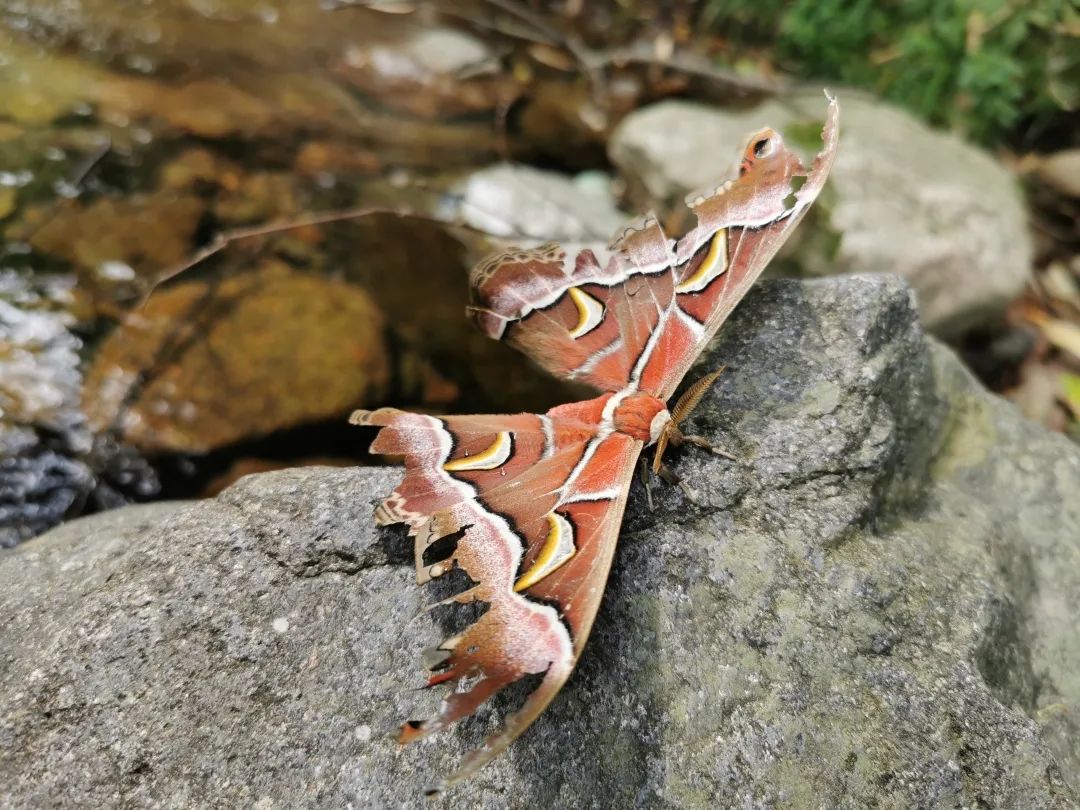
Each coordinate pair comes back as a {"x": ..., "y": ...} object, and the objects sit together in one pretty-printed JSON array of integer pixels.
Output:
[{"x": 1063, "y": 334}]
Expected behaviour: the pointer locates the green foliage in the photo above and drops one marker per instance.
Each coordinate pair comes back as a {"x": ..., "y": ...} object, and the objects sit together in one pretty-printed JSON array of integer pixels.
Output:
[{"x": 979, "y": 66}]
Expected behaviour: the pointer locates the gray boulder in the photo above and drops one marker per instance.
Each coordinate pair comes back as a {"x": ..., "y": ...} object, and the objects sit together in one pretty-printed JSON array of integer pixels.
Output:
[
  {"x": 902, "y": 198},
  {"x": 873, "y": 606}
]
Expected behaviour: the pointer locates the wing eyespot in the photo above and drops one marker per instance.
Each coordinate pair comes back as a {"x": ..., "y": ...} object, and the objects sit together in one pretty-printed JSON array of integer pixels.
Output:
[
  {"x": 590, "y": 312},
  {"x": 495, "y": 455},
  {"x": 765, "y": 147},
  {"x": 712, "y": 266},
  {"x": 558, "y": 548}
]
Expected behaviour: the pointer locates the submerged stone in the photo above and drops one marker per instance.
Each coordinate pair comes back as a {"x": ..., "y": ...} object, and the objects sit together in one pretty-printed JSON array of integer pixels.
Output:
[{"x": 204, "y": 365}]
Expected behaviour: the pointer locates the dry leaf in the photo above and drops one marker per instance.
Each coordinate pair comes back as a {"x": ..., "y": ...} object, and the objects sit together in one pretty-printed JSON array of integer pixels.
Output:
[{"x": 1063, "y": 334}]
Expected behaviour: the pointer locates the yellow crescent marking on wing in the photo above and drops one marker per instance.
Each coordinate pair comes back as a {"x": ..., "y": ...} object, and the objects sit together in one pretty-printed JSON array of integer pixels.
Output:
[
  {"x": 590, "y": 312},
  {"x": 558, "y": 548},
  {"x": 489, "y": 459},
  {"x": 715, "y": 264}
]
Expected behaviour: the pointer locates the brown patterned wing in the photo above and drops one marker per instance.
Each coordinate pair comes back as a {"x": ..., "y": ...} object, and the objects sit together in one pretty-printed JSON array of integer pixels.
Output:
[
  {"x": 579, "y": 316},
  {"x": 638, "y": 318},
  {"x": 534, "y": 503},
  {"x": 529, "y": 506},
  {"x": 740, "y": 227}
]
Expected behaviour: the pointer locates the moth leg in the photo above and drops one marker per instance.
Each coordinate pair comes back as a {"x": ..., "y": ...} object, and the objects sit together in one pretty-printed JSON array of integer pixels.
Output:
[
  {"x": 666, "y": 473},
  {"x": 646, "y": 481},
  {"x": 674, "y": 437},
  {"x": 701, "y": 441},
  {"x": 680, "y": 413}
]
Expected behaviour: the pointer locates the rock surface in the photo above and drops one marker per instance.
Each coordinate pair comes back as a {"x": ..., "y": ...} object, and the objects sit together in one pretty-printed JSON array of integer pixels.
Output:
[
  {"x": 901, "y": 198},
  {"x": 872, "y": 606}
]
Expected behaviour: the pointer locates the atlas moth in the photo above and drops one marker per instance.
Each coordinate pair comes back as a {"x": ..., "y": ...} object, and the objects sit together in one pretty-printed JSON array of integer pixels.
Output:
[{"x": 535, "y": 501}]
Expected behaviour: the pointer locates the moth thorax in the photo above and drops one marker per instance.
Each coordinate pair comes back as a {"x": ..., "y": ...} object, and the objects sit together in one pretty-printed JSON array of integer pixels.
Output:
[{"x": 641, "y": 416}]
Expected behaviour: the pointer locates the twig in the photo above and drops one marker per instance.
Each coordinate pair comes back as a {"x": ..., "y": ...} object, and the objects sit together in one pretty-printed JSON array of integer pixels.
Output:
[
  {"x": 581, "y": 54},
  {"x": 224, "y": 239},
  {"x": 686, "y": 62}
]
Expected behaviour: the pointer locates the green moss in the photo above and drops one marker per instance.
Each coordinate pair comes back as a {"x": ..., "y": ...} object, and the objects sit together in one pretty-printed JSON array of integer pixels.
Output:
[
  {"x": 982, "y": 67},
  {"x": 970, "y": 436},
  {"x": 805, "y": 134}
]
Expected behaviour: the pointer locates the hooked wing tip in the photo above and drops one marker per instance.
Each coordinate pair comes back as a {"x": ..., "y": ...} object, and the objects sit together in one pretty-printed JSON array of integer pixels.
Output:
[
  {"x": 360, "y": 417},
  {"x": 832, "y": 122},
  {"x": 830, "y": 140}
]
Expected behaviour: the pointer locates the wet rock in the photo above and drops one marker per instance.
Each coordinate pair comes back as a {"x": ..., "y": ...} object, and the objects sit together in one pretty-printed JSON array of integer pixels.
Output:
[
  {"x": 259, "y": 197},
  {"x": 39, "y": 487},
  {"x": 209, "y": 108},
  {"x": 901, "y": 198},
  {"x": 336, "y": 159},
  {"x": 114, "y": 240},
  {"x": 872, "y": 606},
  {"x": 562, "y": 124},
  {"x": 202, "y": 365},
  {"x": 438, "y": 50},
  {"x": 402, "y": 263},
  {"x": 41, "y": 427},
  {"x": 39, "y": 85},
  {"x": 263, "y": 76},
  {"x": 522, "y": 203},
  {"x": 428, "y": 71},
  {"x": 216, "y": 71},
  {"x": 8, "y": 197}
]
